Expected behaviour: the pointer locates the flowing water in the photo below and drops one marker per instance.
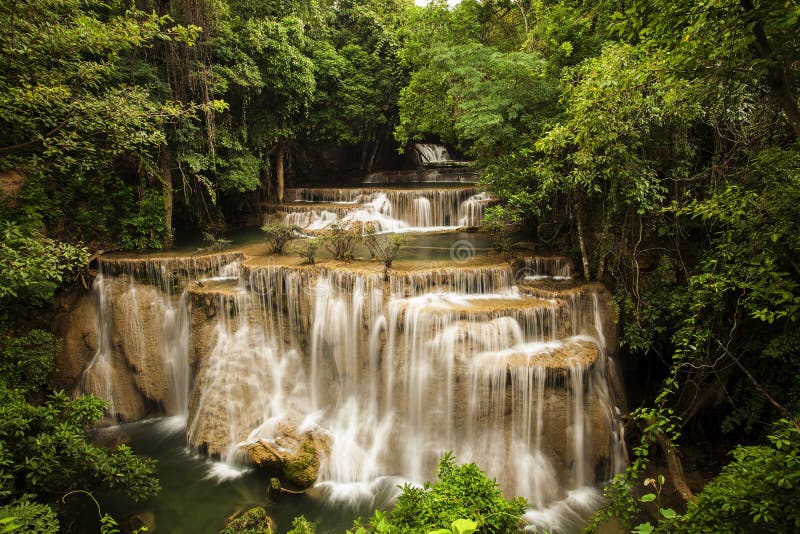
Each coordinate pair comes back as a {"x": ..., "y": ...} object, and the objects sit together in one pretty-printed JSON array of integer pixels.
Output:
[
  {"x": 507, "y": 365},
  {"x": 389, "y": 210}
]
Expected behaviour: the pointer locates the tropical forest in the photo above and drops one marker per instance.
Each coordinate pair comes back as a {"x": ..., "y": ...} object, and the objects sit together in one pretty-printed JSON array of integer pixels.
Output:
[{"x": 399, "y": 266}]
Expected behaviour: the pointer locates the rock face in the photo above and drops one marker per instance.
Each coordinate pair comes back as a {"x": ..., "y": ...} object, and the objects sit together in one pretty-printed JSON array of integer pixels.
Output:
[
  {"x": 76, "y": 324},
  {"x": 294, "y": 457},
  {"x": 126, "y": 341}
]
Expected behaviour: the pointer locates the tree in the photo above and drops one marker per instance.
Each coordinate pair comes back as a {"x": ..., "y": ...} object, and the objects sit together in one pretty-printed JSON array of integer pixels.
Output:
[{"x": 66, "y": 117}]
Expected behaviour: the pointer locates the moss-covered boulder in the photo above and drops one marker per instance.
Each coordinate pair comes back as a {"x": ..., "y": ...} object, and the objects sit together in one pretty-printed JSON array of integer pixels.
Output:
[
  {"x": 293, "y": 458},
  {"x": 253, "y": 521},
  {"x": 301, "y": 469}
]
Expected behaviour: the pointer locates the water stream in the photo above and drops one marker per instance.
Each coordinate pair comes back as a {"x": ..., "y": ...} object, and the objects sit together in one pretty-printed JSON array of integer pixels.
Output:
[{"x": 507, "y": 365}]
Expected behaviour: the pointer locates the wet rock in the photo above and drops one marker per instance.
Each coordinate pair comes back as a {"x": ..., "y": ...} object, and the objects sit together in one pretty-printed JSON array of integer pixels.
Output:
[
  {"x": 76, "y": 324},
  {"x": 137, "y": 522},
  {"x": 294, "y": 458},
  {"x": 253, "y": 521}
]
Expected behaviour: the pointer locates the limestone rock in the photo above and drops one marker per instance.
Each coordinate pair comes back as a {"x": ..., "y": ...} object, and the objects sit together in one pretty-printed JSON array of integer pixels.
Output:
[
  {"x": 294, "y": 457},
  {"x": 253, "y": 521},
  {"x": 76, "y": 323}
]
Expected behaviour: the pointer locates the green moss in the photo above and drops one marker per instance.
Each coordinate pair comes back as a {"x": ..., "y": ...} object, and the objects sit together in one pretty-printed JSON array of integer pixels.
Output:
[
  {"x": 253, "y": 521},
  {"x": 302, "y": 471}
]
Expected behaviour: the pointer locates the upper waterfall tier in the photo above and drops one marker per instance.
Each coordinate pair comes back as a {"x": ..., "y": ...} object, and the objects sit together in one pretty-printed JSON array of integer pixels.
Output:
[
  {"x": 166, "y": 270},
  {"x": 390, "y": 210},
  {"x": 437, "y": 175},
  {"x": 435, "y": 155}
]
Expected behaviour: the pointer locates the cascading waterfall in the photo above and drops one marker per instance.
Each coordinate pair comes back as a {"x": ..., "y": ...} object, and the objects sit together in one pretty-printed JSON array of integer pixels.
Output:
[
  {"x": 432, "y": 154},
  {"x": 391, "y": 373},
  {"x": 143, "y": 332},
  {"x": 397, "y": 210}
]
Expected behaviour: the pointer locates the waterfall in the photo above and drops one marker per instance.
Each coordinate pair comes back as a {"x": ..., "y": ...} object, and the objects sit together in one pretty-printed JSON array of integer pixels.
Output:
[
  {"x": 389, "y": 373},
  {"x": 394, "y": 210},
  {"x": 143, "y": 327},
  {"x": 432, "y": 154}
]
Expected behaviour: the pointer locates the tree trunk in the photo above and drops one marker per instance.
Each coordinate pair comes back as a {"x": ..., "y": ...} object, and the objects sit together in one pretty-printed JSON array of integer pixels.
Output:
[
  {"x": 581, "y": 241},
  {"x": 674, "y": 465},
  {"x": 372, "y": 156},
  {"x": 280, "y": 155},
  {"x": 166, "y": 177}
]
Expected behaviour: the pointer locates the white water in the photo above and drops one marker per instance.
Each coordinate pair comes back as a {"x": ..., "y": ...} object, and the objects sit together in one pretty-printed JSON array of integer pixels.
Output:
[
  {"x": 388, "y": 211},
  {"x": 391, "y": 374},
  {"x": 432, "y": 154}
]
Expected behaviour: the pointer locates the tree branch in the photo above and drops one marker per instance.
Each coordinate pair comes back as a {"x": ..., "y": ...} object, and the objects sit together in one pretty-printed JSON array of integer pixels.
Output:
[{"x": 786, "y": 413}]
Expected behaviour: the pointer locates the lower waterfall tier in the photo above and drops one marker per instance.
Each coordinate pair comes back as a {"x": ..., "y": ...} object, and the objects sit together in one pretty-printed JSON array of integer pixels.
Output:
[{"x": 373, "y": 377}]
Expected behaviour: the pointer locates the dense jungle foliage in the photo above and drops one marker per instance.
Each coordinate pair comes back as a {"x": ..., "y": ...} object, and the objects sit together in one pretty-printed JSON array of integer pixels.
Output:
[{"x": 655, "y": 140}]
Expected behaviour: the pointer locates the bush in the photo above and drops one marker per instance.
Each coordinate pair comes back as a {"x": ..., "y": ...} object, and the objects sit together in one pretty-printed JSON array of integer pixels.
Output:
[
  {"x": 26, "y": 361},
  {"x": 146, "y": 229},
  {"x": 278, "y": 234},
  {"x": 301, "y": 525},
  {"x": 756, "y": 492},
  {"x": 33, "y": 267},
  {"x": 341, "y": 240},
  {"x": 462, "y": 492},
  {"x": 385, "y": 247},
  {"x": 44, "y": 450},
  {"x": 215, "y": 244},
  {"x": 24, "y": 515},
  {"x": 307, "y": 249}
]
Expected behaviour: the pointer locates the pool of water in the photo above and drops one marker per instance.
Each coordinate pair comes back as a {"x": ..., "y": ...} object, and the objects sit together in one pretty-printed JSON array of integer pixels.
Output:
[{"x": 198, "y": 495}]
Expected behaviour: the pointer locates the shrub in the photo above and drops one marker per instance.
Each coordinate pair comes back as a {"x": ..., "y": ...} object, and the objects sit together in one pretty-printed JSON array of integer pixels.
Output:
[
  {"x": 307, "y": 249},
  {"x": 463, "y": 494},
  {"x": 341, "y": 240},
  {"x": 215, "y": 244},
  {"x": 278, "y": 234},
  {"x": 385, "y": 247},
  {"x": 756, "y": 492},
  {"x": 301, "y": 525}
]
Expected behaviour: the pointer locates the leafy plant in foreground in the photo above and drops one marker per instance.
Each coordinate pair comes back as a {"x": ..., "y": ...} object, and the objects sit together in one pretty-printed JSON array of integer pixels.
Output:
[{"x": 461, "y": 497}]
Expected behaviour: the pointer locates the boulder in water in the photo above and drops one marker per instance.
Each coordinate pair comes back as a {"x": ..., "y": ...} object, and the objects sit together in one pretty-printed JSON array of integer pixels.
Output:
[
  {"x": 253, "y": 521},
  {"x": 294, "y": 458}
]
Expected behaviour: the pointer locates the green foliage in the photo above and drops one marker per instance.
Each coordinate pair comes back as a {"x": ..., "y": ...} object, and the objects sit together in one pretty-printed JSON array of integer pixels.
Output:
[
  {"x": 32, "y": 267},
  {"x": 307, "y": 249},
  {"x": 384, "y": 247},
  {"x": 278, "y": 234},
  {"x": 253, "y": 521},
  {"x": 27, "y": 360},
  {"x": 66, "y": 117},
  {"x": 460, "y": 492},
  {"x": 459, "y": 526},
  {"x": 301, "y": 525},
  {"x": 215, "y": 244},
  {"x": 145, "y": 229},
  {"x": 757, "y": 491},
  {"x": 341, "y": 240},
  {"x": 477, "y": 97},
  {"x": 51, "y": 456},
  {"x": 24, "y": 515}
]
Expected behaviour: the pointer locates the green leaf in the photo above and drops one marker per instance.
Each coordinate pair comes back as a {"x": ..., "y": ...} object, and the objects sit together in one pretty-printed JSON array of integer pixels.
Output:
[
  {"x": 669, "y": 513},
  {"x": 649, "y": 497},
  {"x": 463, "y": 526}
]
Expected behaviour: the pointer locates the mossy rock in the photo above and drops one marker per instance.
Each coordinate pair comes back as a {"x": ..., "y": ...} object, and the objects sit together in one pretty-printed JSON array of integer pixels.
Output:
[
  {"x": 253, "y": 521},
  {"x": 301, "y": 470}
]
